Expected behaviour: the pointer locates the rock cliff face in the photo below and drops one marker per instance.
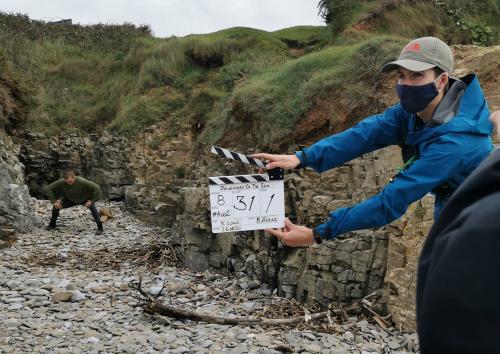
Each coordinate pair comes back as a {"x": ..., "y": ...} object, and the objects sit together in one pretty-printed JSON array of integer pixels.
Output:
[
  {"x": 161, "y": 169},
  {"x": 103, "y": 159},
  {"x": 163, "y": 179},
  {"x": 16, "y": 212},
  {"x": 341, "y": 270}
]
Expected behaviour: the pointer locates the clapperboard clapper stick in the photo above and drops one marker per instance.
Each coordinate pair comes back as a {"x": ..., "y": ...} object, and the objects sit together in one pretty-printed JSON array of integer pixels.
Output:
[
  {"x": 274, "y": 174},
  {"x": 246, "y": 202}
]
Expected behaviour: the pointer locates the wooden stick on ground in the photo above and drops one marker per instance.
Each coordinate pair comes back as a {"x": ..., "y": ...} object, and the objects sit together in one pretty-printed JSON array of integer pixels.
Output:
[
  {"x": 172, "y": 251},
  {"x": 173, "y": 312},
  {"x": 152, "y": 305},
  {"x": 379, "y": 319}
]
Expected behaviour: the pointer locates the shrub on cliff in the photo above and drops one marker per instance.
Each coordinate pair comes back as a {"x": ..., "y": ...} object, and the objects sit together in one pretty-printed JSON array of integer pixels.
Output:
[
  {"x": 337, "y": 13},
  {"x": 455, "y": 21}
]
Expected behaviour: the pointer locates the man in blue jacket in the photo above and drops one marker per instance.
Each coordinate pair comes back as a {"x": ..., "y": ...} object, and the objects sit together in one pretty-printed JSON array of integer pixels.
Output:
[{"x": 441, "y": 123}]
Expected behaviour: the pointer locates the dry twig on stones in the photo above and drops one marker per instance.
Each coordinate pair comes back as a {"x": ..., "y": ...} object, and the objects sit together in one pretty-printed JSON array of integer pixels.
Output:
[{"x": 152, "y": 305}]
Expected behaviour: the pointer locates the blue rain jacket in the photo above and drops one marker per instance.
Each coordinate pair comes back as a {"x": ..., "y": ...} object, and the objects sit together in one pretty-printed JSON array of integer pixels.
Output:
[{"x": 447, "y": 153}]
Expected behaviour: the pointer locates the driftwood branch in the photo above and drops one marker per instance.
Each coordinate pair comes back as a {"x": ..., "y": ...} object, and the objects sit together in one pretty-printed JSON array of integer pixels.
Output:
[
  {"x": 379, "y": 319},
  {"x": 173, "y": 312},
  {"x": 153, "y": 306}
]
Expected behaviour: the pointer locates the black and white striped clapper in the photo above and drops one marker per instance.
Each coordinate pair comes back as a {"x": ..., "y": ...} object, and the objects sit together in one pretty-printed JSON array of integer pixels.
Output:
[
  {"x": 274, "y": 174},
  {"x": 237, "y": 156},
  {"x": 238, "y": 179}
]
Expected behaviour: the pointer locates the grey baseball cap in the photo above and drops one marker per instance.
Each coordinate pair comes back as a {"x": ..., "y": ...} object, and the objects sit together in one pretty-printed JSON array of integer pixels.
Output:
[{"x": 423, "y": 54}]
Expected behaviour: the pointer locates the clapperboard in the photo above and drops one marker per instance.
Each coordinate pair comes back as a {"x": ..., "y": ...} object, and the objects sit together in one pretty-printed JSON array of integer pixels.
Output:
[{"x": 246, "y": 202}]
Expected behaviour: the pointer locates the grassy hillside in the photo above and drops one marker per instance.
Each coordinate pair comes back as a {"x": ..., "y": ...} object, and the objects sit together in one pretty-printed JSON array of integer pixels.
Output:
[
  {"x": 122, "y": 79},
  {"x": 142, "y": 80}
]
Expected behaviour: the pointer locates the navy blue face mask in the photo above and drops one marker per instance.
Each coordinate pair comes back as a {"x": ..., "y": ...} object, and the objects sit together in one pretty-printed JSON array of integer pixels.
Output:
[{"x": 415, "y": 98}]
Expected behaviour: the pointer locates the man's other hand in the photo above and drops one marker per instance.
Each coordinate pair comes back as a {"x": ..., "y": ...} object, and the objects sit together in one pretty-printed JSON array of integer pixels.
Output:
[
  {"x": 293, "y": 235},
  {"x": 88, "y": 203},
  {"x": 286, "y": 162},
  {"x": 58, "y": 204}
]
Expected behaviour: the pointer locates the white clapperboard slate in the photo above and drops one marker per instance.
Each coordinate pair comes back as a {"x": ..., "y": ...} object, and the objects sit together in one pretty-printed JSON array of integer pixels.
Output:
[{"x": 246, "y": 202}]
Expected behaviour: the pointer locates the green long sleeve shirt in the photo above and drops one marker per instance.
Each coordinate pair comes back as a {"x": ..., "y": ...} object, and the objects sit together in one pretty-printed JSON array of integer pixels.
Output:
[{"x": 78, "y": 193}]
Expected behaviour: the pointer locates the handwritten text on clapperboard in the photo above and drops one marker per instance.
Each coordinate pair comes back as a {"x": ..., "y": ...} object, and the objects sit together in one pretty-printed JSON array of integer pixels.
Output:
[{"x": 246, "y": 206}]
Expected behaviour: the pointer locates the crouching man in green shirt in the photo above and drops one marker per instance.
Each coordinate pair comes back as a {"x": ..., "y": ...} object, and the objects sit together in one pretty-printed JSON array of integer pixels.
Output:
[{"x": 71, "y": 191}]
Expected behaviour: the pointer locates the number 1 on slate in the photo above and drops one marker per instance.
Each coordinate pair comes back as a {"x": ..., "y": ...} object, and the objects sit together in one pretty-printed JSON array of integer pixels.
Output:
[
  {"x": 268, "y": 205},
  {"x": 251, "y": 203}
]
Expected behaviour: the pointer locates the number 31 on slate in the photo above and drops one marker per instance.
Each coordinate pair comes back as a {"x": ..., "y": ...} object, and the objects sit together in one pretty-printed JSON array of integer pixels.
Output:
[{"x": 242, "y": 203}]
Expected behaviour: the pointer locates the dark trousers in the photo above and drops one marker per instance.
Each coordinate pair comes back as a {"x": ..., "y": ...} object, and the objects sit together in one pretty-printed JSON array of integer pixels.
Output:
[{"x": 68, "y": 204}]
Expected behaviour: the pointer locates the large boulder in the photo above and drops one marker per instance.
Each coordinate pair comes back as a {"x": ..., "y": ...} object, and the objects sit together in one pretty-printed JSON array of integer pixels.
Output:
[{"x": 16, "y": 211}]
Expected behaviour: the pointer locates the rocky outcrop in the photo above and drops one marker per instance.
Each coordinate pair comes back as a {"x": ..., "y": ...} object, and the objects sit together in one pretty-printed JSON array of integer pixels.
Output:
[
  {"x": 162, "y": 183},
  {"x": 16, "y": 212},
  {"x": 160, "y": 166},
  {"x": 344, "y": 269},
  {"x": 146, "y": 172},
  {"x": 408, "y": 236},
  {"x": 103, "y": 159}
]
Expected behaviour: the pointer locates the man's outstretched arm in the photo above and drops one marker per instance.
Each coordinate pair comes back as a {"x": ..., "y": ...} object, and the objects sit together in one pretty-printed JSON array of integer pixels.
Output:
[
  {"x": 373, "y": 133},
  {"x": 435, "y": 166}
]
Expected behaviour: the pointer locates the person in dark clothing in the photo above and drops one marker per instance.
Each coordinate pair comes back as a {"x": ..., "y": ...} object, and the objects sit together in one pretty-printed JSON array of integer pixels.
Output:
[
  {"x": 458, "y": 288},
  {"x": 71, "y": 191}
]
